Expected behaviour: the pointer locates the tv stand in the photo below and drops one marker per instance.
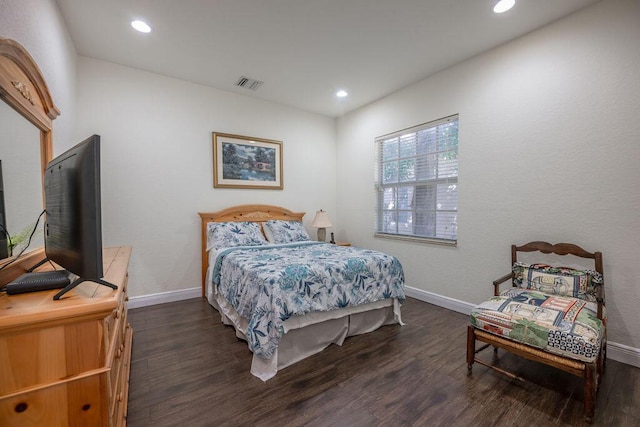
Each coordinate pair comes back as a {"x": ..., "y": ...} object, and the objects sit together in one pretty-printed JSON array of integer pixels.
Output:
[
  {"x": 41, "y": 262},
  {"x": 80, "y": 280},
  {"x": 72, "y": 284}
]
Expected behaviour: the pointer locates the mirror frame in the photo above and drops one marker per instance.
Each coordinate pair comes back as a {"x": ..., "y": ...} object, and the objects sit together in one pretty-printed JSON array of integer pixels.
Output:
[{"x": 23, "y": 88}]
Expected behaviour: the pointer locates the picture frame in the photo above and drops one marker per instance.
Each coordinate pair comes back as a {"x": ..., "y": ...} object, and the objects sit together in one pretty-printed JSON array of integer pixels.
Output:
[{"x": 246, "y": 162}]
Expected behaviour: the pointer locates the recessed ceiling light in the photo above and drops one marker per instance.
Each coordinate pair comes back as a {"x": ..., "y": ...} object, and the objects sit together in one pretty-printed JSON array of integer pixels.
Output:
[
  {"x": 503, "y": 6},
  {"x": 341, "y": 94},
  {"x": 141, "y": 26}
]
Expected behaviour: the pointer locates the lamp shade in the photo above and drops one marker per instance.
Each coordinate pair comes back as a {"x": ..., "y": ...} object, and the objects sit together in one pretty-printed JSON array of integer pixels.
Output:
[{"x": 321, "y": 220}]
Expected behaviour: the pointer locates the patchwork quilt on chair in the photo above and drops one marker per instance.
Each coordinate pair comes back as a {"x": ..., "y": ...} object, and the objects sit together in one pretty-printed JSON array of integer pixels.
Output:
[{"x": 558, "y": 324}]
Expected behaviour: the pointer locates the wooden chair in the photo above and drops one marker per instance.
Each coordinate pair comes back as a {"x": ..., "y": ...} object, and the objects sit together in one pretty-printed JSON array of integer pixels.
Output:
[{"x": 519, "y": 319}]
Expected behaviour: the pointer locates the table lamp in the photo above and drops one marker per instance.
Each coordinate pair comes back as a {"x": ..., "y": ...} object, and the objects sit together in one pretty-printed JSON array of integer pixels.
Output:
[{"x": 321, "y": 222}]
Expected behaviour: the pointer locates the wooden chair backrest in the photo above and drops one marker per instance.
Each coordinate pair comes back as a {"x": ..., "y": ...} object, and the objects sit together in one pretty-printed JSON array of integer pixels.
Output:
[
  {"x": 558, "y": 249},
  {"x": 565, "y": 249}
]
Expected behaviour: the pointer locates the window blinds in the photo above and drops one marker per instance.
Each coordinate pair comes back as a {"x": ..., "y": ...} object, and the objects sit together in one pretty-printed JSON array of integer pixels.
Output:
[{"x": 416, "y": 177}]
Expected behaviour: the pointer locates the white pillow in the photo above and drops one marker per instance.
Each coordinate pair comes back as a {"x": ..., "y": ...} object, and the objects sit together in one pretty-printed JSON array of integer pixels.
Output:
[
  {"x": 279, "y": 231},
  {"x": 232, "y": 234}
]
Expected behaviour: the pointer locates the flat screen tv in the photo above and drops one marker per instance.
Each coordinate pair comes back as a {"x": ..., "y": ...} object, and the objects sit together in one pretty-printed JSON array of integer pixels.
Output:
[{"x": 73, "y": 226}]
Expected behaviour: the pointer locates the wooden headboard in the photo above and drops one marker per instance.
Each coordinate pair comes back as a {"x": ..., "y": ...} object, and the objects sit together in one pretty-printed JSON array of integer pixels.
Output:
[{"x": 245, "y": 213}]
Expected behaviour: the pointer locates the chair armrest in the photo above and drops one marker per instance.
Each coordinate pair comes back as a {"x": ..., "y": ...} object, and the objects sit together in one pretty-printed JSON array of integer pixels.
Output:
[
  {"x": 600, "y": 300},
  {"x": 497, "y": 282}
]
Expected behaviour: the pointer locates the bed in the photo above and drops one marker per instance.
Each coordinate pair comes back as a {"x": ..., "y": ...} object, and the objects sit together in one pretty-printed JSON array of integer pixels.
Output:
[{"x": 287, "y": 296}]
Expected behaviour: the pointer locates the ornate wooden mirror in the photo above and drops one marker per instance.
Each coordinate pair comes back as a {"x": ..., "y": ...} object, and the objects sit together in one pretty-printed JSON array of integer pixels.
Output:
[{"x": 25, "y": 150}]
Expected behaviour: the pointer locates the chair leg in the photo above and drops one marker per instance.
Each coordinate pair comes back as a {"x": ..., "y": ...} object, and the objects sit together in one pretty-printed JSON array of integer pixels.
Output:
[
  {"x": 602, "y": 357},
  {"x": 599, "y": 369},
  {"x": 471, "y": 346},
  {"x": 589, "y": 391}
]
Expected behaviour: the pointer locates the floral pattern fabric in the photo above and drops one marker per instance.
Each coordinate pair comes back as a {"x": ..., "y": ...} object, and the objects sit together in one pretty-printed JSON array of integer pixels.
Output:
[
  {"x": 557, "y": 280},
  {"x": 561, "y": 325},
  {"x": 285, "y": 231},
  {"x": 267, "y": 285},
  {"x": 232, "y": 234}
]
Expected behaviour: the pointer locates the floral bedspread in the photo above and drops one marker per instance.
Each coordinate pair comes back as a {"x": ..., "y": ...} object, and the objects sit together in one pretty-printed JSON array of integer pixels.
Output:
[{"x": 267, "y": 284}]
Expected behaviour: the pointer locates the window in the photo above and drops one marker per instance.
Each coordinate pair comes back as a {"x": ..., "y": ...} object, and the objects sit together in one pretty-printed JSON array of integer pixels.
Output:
[{"x": 417, "y": 182}]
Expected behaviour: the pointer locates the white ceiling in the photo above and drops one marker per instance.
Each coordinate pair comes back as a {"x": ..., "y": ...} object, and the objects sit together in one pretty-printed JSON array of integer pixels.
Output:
[{"x": 303, "y": 50}]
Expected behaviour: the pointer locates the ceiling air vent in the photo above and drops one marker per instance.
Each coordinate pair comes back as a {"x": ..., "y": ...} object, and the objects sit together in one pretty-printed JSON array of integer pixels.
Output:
[{"x": 249, "y": 83}]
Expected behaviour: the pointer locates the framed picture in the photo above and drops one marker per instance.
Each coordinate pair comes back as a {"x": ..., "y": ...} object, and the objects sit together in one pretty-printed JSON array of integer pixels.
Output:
[{"x": 246, "y": 162}]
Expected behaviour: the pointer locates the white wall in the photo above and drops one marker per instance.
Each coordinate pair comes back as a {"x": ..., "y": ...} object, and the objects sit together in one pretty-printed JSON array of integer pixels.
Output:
[
  {"x": 157, "y": 164},
  {"x": 38, "y": 26},
  {"x": 549, "y": 150}
]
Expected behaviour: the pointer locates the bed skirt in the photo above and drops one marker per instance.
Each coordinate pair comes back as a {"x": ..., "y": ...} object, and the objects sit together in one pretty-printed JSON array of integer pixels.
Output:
[{"x": 310, "y": 334}]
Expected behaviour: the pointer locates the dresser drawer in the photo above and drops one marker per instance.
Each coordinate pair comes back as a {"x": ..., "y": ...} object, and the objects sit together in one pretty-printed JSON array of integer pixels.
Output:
[
  {"x": 115, "y": 355},
  {"x": 112, "y": 323},
  {"x": 118, "y": 412},
  {"x": 117, "y": 345},
  {"x": 125, "y": 322},
  {"x": 36, "y": 356},
  {"x": 125, "y": 292},
  {"x": 75, "y": 402}
]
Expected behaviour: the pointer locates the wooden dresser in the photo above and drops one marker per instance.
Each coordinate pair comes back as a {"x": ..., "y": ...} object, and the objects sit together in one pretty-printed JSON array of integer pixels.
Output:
[{"x": 66, "y": 362}]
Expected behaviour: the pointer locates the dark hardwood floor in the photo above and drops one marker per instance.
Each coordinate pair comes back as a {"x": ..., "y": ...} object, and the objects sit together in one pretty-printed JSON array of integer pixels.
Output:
[{"x": 189, "y": 370}]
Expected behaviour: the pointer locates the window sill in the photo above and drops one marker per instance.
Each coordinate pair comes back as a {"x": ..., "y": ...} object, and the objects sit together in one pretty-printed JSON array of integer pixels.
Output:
[{"x": 415, "y": 239}]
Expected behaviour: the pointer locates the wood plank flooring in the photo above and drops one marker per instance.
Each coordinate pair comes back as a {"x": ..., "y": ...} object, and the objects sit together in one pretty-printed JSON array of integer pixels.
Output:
[{"x": 190, "y": 370}]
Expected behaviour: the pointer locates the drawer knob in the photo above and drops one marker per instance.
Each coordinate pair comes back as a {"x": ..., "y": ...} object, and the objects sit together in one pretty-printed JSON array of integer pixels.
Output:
[
  {"x": 21, "y": 407},
  {"x": 118, "y": 354},
  {"x": 86, "y": 407},
  {"x": 119, "y": 397}
]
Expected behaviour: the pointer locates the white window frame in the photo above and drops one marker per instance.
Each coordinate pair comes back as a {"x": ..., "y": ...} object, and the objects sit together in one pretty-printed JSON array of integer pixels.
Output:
[{"x": 413, "y": 207}]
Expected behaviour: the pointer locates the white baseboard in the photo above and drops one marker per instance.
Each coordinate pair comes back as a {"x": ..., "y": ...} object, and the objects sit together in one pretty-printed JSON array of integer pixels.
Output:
[
  {"x": 623, "y": 353},
  {"x": 164, "y": 297},
  {"x": 618, "y": 352},
  {"x": 439, "y": 300}
]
